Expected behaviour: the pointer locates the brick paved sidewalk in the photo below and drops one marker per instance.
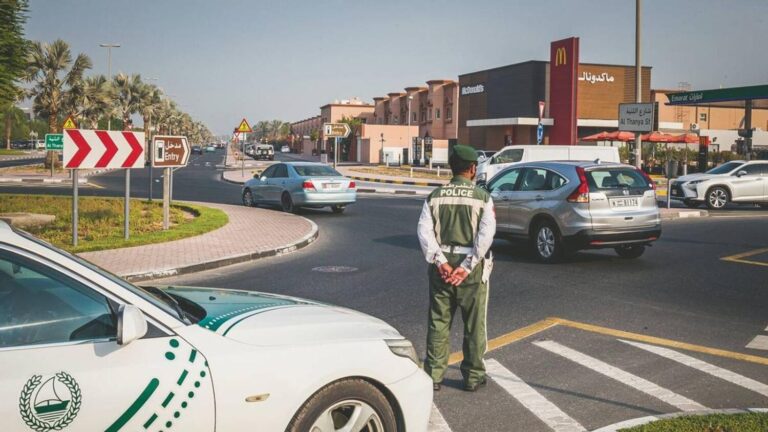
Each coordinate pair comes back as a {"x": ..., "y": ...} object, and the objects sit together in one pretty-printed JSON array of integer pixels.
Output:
[{"x": 251, "y": 233}]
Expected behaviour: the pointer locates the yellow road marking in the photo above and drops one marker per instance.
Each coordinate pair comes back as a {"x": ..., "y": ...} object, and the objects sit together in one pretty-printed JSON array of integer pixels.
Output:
[
  {"x": 552, "y": 322},
  {"x": 739, "y": 258},
  {"x": 95, "y": 185},
  {"x": 510, "y": 337}
]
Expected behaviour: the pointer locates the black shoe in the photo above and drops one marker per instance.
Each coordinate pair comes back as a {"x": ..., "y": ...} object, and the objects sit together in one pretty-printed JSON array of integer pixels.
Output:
[
  {"x": 473, "y": 387},
  {"x": 436, "y": 386}
]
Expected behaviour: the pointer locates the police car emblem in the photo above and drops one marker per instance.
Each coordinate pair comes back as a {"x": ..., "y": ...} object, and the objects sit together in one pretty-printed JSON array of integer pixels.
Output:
[{"x": 50, "y": 404}]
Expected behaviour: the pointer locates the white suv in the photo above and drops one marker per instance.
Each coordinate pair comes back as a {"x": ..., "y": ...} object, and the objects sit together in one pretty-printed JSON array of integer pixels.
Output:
[
  {"x": 734, "y": 181},
  {"x": 82, "y": 350}
]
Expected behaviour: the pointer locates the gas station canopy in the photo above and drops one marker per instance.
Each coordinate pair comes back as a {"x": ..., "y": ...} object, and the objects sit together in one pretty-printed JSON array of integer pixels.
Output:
[{"x": 734, "y": 97}]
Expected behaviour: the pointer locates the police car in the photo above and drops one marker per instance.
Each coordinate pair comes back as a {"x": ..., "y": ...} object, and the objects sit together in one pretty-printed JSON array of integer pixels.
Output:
[{"x": 83, "y": 350}]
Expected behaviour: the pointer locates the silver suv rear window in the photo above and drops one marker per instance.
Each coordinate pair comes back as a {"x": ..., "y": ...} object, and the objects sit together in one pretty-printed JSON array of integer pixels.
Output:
[{"x": 616, "y": 178}]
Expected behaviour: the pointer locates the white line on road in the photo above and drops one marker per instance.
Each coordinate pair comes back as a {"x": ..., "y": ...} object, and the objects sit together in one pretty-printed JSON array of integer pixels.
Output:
[
  {"x": 634, "y": 381},
  {"x": 759, "y": 342},
  {"x": 705, "y": 367},
  {"x": 436, "y": 421},
  {"x": 537, "y": 404}
]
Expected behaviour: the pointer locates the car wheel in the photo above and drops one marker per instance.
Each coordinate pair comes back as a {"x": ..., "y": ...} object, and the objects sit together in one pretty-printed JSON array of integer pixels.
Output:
[
  {"x": 717, "y": 198},
  {"x": 691, "y": 204},
  {"x": 248, "y": 198},
  {"x": 348, "y": 405},
  {"x": 546, "y": 243},
  {"x": 630, "y": 251},
  {"x": 338, "y": 209},
  {"x": 287, "y": 203}
]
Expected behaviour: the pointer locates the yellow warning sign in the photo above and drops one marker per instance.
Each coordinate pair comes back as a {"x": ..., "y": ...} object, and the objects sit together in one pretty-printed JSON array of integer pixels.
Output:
[
  {"x": 69, "y": 123},
  {"x": 244, "y": 127}
]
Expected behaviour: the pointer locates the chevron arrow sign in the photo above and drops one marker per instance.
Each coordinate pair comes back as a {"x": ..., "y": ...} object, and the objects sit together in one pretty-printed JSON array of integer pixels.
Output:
[{"x": 85, "y": 148}]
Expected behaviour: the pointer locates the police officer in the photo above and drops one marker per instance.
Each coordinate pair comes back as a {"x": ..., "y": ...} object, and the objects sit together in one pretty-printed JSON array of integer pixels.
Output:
[{"x": 456, "y": 229}]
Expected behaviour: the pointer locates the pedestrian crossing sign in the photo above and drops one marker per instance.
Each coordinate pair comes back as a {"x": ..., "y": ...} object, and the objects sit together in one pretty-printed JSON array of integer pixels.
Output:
[
  {"x": 244, "y": 127},
  {"x": 69, "y": 123}
]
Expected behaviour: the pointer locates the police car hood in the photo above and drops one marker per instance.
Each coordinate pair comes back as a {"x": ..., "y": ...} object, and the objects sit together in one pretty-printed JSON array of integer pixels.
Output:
[{"x": 268, "y": 319}]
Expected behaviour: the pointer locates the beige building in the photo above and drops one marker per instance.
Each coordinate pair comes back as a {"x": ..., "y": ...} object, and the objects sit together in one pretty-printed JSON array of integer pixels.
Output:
[{"x": 302, "y": 133}]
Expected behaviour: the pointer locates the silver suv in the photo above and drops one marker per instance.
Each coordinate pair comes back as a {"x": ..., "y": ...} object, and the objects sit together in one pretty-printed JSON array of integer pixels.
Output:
[
  {"x": 734, "y": 181},
  {"x": 560, "y": 207}
]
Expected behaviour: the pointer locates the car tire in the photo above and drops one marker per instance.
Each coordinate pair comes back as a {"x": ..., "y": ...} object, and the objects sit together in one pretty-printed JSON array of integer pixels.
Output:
[
  {"x": 546, "y": 243},
  {"x": 692, "y": 204},
  {"x": 717, "y": 198},
  {"x": 341, "y": 402},
  {"x": 286, "y": 202},
  {"x": 248, "y": 198},
  {"x": 338, "y": 209},
  {"x": 630, "y": 251}
]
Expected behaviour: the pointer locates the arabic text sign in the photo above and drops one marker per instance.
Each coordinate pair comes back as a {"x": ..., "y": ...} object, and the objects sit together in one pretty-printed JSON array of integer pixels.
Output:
[
  {"x": 336, "y": 130},
  {"x": 636, "y": 117},
  {"x": 170, "y": 151},
  {"x": 54, "y": 141},
  {"x": 84, "y": 148}
]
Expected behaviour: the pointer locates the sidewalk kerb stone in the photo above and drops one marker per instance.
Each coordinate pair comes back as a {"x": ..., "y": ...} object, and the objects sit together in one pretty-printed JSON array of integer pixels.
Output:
[{"x": 648, "y": 419}]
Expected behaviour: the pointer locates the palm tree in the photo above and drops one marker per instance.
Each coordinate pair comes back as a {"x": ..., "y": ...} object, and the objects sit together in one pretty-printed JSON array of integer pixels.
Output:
[
  {"x": 53, "y": 75},
  {"x": 126, "y": 92},
  {"x": 262, "y": 129},
  {"x": 150, "y": 99},
  {"x": 13, "y": 114},
  {"x": 91, "y": 100}
]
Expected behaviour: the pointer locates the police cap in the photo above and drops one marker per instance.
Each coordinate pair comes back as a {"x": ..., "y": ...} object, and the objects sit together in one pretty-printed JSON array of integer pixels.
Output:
[{"x": 465, "y": 152}]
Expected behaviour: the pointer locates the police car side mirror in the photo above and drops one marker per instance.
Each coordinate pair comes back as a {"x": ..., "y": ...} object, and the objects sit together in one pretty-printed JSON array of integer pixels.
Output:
[
  {"x": 131, "y": 324},
  {"x": 741, "y": 173}
]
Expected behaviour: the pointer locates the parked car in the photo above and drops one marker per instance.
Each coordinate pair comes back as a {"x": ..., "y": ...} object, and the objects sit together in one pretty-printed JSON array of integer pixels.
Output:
[
  {"x": 516, "y": 154},
  {"x": 83, "y": 348},
  {"x": 285, "y": 149},
  {"x": 291, "y": 185},
  {"x": 263, "y": 152},
  {"x": 561, "y": 207},
  {"x": 196, "y": 149},
  {"x": 734, "y": 181},
  {"x": 210, "y": 149}
]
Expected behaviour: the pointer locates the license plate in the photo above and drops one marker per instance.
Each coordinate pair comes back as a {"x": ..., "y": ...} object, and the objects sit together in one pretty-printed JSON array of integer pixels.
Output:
[
  {"x": 331, "y": 185},
  {"x": 623, "y": 202}
]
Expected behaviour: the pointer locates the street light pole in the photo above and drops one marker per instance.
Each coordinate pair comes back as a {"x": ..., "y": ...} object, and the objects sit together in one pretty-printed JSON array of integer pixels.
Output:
[
  {"x": 413, "y": 145},
  {"x": 149, "y": 145},
  {"x": 638, "y": 81},
  {"x": 109, "y": 73}
]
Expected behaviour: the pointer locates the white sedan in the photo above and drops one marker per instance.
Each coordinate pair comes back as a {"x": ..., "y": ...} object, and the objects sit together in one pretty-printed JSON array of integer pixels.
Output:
[{"x": 83, "y": 350}]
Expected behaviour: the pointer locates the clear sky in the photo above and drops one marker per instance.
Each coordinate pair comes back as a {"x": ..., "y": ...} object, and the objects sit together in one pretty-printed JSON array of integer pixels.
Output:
[{"x": 222, "y": 60}]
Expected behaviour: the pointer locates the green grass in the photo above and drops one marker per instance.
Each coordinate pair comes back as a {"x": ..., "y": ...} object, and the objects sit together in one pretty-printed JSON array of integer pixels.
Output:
[
  {"x": 6, "y": 152},
  {"x": 100, "y": 225},
  {"x": 746, "y": 422}
]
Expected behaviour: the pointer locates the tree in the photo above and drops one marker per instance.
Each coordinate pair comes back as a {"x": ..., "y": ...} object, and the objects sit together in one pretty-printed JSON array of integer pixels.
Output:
[
  {"x": 54, "y": 75},
  {"x": 127, "y": 89},
  {"x": 91, "y": 100},
  {"x": 354, "y": 125},
  {"x": 13, "y": 49},
  {"x": 150, "y": 102}
]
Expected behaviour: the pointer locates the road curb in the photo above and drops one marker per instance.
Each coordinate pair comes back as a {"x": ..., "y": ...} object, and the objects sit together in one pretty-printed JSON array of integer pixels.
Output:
[
  {"x": 685, "y": 214},
  {"x": 392, "y": 191},
  {"x": 223, "y": 178},
  {"x": 227, "y": 261},
  {"x": 42, "y": 180},
  {"x": 645, "y": 420},
  {"x": 398, "y": 182}
]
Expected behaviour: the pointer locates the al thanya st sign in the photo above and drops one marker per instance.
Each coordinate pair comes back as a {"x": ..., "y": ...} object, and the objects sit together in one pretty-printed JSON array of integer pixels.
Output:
[{"x": 636, "y": 117}]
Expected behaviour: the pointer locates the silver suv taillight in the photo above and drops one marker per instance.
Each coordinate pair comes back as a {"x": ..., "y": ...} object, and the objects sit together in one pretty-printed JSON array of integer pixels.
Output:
[{"x": 581, "y": 194}]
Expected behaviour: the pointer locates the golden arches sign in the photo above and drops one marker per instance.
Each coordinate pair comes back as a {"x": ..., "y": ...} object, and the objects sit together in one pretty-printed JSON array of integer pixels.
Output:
[{"x": 561, "y": 58}]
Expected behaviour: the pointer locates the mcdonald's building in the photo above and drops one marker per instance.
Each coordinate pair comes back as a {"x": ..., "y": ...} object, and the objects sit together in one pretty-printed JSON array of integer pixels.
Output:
[{"x": 500, "y": 106}]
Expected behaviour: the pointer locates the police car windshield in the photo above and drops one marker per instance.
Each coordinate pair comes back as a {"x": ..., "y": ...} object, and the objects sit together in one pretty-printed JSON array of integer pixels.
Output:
[{"x": 119, "y": 281}]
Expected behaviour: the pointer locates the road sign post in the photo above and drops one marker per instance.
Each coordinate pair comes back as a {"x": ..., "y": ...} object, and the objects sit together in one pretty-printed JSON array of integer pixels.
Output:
[
  {"x": 243, "y": 129},
  {"x": 169, "y": 152},
  {"x": 101, "y": 149},
  {"x": 336, "y": 131}
]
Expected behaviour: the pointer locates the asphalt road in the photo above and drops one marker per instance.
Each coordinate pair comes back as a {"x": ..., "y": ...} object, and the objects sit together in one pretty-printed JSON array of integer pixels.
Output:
[
  {"x": 5, "y": 163},
  {"x": 680, "y": 290}
]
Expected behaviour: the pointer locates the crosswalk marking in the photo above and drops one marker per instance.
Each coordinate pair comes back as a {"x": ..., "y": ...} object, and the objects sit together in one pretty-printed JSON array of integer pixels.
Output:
[
  {"x": 759, "y": 342},
  {"x": 542, "y": 408},
  {"x": 643, "y": 385},
  {"x": 437, "y": 422},
  {"x": 705, "y": 367}
]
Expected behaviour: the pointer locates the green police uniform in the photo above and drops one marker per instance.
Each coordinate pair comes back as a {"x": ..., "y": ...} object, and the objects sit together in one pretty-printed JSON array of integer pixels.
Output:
[{"x": 457, "y": 226}]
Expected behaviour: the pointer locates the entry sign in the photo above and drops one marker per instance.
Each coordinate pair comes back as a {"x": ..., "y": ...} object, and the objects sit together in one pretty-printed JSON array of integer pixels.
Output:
[
  {"x": 336, "y": 130},
  {"x": 636, "y": 117},
  {"x": 170, "y": 151},
  {"x": 54, "y": 141}
]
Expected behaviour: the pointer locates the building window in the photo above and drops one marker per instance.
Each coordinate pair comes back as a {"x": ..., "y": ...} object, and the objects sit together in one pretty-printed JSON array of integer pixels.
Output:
[
  {"x": 413, "y": 117},
  {"x": 437, "y": 113},
  {"x": 449, "y": 112},
  {"x": 703, "y": 117},
  {"x": 430, "y": 113}
]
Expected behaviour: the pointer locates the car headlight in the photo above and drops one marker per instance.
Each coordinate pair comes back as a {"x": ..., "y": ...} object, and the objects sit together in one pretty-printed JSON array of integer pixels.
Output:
[
  {"x": 695, "y": 182},
  {"x": 403, "y": 348}
]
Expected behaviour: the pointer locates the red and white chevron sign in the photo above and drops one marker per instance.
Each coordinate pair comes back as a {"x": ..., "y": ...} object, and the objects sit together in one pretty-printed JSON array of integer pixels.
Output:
[{"x": 85, "y": 148}]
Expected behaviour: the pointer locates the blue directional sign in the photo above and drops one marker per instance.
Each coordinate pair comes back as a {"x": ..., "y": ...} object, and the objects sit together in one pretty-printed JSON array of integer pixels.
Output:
[{"x": 540, "y": 134}]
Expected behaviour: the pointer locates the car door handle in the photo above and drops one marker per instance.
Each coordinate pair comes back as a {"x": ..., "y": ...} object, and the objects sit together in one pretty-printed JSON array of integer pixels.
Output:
[{"x": 539, "y": 197}]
